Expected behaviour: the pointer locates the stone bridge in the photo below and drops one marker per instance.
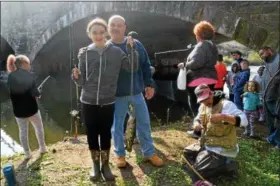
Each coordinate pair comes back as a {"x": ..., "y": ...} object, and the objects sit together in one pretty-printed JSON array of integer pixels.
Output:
[
  {"x": 29, "y": 27},
  {"x": 50, "y": 34}
]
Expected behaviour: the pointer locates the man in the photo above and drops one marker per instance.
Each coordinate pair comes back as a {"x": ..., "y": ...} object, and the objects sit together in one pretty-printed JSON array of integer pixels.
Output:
[
  {"x": 273, "y": 93},
  {"x": 130, "y": 93},
  {"x": 271, "y": 60},
  {"x": 236, "y": 55},
  {"x": 217, "y": 120}
]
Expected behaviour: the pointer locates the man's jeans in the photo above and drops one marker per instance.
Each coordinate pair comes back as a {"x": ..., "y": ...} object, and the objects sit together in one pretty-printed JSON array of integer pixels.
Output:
[
  {"x": 271, "y": 105},
  {"x": 274, "y": 138},
  {"x": 143, "y": 128},
  {"x": 274, "y": 134}
]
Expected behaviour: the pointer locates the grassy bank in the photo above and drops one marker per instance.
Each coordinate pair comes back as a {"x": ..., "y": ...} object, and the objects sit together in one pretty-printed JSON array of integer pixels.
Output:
[{"x": 69, "y": 164}]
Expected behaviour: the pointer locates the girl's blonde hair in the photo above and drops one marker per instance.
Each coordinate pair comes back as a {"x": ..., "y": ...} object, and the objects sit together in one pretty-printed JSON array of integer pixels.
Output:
[
  {"x": 13, "y": 62},
  {"x": 257, "y": 86},
  {"x": 97, "y": 21}
]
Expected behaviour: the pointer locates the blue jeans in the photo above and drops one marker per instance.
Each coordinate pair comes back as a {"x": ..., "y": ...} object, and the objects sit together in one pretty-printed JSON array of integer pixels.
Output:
[
  {"x": 274, "y": 138},
  {"x": 143, "y": 127},
  {"x": 271, "y": 106},
  {"x": 238, "y": 101}
]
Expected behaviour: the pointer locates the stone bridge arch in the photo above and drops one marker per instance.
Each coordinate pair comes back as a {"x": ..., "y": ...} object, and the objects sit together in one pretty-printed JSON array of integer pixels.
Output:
[
  {"x": 6, "y": 49},
  {"x": 224, "y": 22}
]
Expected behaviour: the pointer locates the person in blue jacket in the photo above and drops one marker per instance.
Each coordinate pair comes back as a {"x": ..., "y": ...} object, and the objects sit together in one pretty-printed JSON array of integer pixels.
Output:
[
  {"x": 239, "y": 83},
  {"x": 129, "y": 92}
]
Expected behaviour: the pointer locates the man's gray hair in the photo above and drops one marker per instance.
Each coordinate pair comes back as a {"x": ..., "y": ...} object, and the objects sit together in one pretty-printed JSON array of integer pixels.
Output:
[{"x": 116, "y": 17}]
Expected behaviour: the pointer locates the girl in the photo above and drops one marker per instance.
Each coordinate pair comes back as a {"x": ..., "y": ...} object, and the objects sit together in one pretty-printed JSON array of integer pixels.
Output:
[
  {"x": 23, "y": 94},
  {"x": 229, "y": 78},
  {"x": 99, "y": 68},
  {"x": 251, "y": 104}
]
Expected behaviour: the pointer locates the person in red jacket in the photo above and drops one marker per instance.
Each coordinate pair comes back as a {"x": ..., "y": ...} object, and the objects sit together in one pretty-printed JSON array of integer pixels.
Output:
[{"x": 221, "y": 73}]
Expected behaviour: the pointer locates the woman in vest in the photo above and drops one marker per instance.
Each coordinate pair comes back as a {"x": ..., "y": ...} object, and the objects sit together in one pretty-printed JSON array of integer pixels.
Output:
[{"x": 217, "y": 120}]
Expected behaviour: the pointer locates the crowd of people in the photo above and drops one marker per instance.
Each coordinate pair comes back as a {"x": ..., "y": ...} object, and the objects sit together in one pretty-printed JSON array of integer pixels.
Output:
[
  {"x": 113, "y": 75},
  {"x": 217, "y": 117}
]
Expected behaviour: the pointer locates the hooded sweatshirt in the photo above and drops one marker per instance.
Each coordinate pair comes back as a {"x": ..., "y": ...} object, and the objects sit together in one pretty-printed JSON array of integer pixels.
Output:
[
  {"x": 100, "y": 70},
  {"x": 240, "y": 80},
  {"x": 201, "y": 61},
  {"x": 231, "y": 75},
  {"x": 23, "y": 93},
  {"x": 271, "y": 67}
]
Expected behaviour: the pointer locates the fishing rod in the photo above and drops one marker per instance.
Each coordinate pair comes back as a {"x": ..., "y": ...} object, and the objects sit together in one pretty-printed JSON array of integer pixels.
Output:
[
  {"x": 74, "y": 113},
  {"x": 40, "y": 87}
]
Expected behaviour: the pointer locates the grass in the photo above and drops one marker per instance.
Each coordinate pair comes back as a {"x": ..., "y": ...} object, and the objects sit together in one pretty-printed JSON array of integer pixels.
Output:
[{"x": 258, "y": 164}]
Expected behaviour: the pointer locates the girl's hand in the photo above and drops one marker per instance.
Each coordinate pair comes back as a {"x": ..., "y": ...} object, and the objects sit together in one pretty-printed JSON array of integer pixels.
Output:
[
  {"x": 76, "y": 73},
  {"x": 180, "y": 65}
]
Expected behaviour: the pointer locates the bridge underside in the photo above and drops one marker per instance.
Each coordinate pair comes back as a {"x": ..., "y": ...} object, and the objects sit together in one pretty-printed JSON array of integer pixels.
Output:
[
  {"x": 6, "y": 49},
  {"x": 157, "y": 33}
]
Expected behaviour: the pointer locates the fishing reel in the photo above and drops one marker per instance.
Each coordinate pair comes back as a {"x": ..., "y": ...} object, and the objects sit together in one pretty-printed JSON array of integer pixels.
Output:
[{"x": 75, "y": 115}]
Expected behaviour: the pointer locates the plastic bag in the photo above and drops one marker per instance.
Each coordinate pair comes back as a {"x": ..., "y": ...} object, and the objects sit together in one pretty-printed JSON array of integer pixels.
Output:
[{"x": 182, "y": 79}]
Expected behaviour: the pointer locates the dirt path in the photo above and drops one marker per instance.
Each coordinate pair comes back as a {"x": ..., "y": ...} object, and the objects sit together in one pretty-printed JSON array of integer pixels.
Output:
[{"x": 68, "y": 164}]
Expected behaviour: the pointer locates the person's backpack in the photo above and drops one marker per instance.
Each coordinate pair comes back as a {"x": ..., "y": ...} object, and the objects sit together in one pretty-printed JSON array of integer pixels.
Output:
[{"x": 4, "y": 90}]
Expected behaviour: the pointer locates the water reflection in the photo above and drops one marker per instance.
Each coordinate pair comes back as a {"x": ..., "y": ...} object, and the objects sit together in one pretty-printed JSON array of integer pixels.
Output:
[
  {"x": 10, "y": 138},
  {"x": 58, "y": 100},
  {"x": 8, "y": 145}
]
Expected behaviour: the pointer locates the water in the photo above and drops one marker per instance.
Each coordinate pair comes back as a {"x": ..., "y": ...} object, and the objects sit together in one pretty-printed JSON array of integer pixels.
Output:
[{"x": 55, "y": 106}]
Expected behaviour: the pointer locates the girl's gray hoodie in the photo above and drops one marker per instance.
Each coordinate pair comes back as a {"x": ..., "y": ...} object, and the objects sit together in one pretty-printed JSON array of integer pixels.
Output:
[{"x": 100, "y": 70}]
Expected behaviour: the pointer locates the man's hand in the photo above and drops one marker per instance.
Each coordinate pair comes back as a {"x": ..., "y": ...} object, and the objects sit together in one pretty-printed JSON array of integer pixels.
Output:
[
  {"x": 130, "y": 41},
  {"x": 149, "y": 92},
  {"x": 217, "y": 117},
  {"x": 181, "y": 65},
  {"x": 197, "y": 127}
]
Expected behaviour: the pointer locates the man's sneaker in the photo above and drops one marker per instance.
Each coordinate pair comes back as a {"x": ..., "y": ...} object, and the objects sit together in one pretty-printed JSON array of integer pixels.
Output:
[
  {"x": 156, "y": 161},
  {"x": 120, "y": 162}
]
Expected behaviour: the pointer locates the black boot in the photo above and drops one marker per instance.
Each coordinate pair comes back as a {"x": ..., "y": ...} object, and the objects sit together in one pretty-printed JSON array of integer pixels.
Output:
[
  {"x": 105, "y": 168},
  {"x": 95, "y": 172}
]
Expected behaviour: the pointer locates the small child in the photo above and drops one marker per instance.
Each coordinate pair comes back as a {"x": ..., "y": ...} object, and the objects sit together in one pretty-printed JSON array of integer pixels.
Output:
[
  {"x": 239, "y": 83},
  {"x": 258, "y": 79},
  {"x": 229, "y": 78},
  {"x": 23, "y": 94},
  {"x": 251, "y": 104}
]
